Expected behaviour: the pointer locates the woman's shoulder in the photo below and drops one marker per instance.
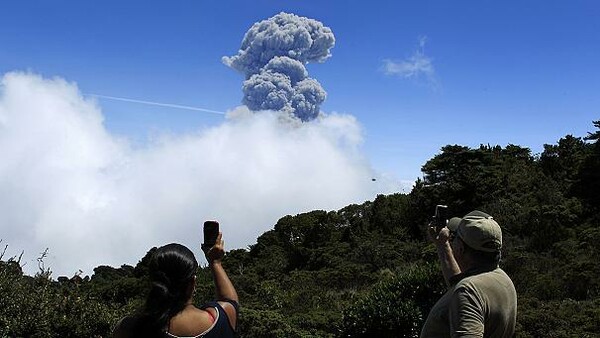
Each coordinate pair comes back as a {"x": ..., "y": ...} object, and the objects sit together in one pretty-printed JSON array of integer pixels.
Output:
[{"x": 191, "y": 322}]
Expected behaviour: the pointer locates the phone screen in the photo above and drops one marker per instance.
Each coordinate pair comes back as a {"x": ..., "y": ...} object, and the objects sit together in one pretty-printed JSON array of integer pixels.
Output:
[{"x": 211, "y": 231}]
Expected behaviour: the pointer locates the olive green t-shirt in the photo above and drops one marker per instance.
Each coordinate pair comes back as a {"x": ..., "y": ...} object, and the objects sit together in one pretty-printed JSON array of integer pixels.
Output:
[
  {"x": 479, "y": 305},
  {"x": 438, "y": 320}
]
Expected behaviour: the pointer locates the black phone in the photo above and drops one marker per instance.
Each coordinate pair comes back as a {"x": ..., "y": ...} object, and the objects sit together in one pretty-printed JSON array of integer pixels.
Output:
[
  {"x": 440, "y": 217},
  {"x": 211, "y": 232}
]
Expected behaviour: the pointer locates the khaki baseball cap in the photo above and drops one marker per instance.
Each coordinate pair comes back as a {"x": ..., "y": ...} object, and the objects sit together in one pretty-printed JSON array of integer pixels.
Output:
[{"x": 478, "y": 230}]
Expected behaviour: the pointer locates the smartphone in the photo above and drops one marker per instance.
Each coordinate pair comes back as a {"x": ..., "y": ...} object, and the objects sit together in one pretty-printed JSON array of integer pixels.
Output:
[
  {"x": 211, "y": 232},
  {"x": 440, "y": 217}
]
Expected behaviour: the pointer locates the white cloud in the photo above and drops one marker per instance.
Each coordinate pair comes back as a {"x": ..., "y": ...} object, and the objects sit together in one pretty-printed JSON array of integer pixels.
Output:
[
  {"x": 66, "y": 183},
  {"x": 417, "y": 66}
]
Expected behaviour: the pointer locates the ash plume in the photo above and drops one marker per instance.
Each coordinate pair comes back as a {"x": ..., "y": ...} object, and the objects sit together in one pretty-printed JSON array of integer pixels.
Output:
[{"x": 272, "y": 58}]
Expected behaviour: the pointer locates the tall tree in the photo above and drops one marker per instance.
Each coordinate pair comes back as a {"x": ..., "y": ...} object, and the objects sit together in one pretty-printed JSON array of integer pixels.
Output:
[{"x": 589, "y": 175}]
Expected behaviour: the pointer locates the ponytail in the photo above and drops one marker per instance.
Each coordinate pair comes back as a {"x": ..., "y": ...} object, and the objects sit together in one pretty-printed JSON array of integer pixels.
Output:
[{"x": 172, "y": 268}]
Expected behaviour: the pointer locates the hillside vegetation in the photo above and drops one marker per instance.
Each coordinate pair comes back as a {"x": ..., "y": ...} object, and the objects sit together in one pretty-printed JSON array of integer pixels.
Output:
[{"x": 366, "y": 270}]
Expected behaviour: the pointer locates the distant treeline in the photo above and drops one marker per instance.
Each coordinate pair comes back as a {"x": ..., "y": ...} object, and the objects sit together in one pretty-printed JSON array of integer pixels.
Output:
[{"x": 366, "y": 270}]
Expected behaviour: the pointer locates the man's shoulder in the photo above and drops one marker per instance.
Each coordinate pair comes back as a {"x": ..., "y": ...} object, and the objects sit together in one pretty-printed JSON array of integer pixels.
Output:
[
  {"x": 493, "y": 285},
  {"x": 492, "y": 277},
  {"x": 486, "y": 274}
]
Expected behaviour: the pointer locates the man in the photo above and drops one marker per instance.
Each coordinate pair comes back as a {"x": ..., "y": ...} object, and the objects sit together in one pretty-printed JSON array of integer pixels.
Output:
[{"x": 481, "y": 300}]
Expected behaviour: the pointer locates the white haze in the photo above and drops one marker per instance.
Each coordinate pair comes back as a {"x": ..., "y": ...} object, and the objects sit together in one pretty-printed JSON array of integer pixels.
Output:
[
  {"x": 68, "y": 184},
  {"x": 418, "y": 66}
]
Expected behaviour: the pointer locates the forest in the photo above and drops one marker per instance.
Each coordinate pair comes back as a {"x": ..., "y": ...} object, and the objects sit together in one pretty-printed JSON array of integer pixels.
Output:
[{"x": 367, "y": 270}]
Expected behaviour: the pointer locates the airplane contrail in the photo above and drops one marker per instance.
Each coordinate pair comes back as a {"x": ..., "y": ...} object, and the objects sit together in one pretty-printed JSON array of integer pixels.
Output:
[{"x": 170, "y": 105}]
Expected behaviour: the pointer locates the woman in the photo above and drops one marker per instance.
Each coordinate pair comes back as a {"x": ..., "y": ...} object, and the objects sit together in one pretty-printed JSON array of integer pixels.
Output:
[{"x": 169, "y": 311}]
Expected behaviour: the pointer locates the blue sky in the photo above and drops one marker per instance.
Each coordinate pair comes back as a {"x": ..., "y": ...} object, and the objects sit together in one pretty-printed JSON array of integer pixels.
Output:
[
  {"x": 404, "y": 79},
  {"x": 521, "y": 72}
]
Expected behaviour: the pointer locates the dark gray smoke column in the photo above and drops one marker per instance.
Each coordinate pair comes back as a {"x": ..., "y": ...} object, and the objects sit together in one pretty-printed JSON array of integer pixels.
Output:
[{"x": 272, "y": 58}]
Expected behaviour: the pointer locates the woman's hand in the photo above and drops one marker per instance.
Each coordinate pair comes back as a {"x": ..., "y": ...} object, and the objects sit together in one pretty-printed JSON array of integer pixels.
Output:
[
  {"x": 217, "y": 252},
  {"x": 224, "y": 289}
]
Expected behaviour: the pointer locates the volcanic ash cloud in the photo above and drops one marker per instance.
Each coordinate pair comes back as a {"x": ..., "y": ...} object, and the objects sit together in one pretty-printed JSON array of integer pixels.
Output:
[{"x": 272, "y": 58}]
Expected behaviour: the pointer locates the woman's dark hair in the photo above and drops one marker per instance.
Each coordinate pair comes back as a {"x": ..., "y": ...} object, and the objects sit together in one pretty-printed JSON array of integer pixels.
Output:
[{"x": 171, "y": 269}]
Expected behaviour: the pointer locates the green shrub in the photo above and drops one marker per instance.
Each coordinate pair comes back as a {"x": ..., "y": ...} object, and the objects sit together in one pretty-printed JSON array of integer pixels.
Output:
[{"x": 395, "y": 307}]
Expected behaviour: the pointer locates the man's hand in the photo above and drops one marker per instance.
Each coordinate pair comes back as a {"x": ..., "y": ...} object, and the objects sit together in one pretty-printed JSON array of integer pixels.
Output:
[
  {"x": 217, "y": 252},
  {"x": 440, "y": 237}
]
